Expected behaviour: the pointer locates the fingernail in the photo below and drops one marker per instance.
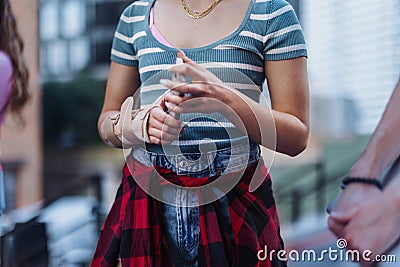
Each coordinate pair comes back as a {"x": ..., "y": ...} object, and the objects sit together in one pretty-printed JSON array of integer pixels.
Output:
[
  {"x": 164, "y": 82},
  {"x": 175, "y": 93},
  {"x": 181, "y": 53}
]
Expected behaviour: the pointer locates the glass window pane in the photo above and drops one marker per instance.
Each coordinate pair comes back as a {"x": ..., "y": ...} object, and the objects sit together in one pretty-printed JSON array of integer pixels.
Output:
[
  {"x": 57, "y": 58},
  {"x": 49, "y": 22},
  {"x": 73, "y": 18},
  {"x": 79, "y": 53}
]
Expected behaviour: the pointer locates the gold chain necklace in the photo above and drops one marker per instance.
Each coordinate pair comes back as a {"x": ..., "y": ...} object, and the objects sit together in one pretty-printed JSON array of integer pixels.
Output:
[{"x": 199, "y": 14}]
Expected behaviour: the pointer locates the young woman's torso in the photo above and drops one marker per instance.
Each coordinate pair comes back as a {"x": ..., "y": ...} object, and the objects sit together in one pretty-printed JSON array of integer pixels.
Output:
[{"x": 233, "y": 42}]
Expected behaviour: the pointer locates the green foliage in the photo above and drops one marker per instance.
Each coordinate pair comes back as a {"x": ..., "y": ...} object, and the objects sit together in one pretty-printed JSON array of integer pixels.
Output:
[{"x": 71, "y": 110}]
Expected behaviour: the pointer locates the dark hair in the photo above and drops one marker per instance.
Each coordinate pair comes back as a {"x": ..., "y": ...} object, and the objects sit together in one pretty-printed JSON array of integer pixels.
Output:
[{"x": 11, "y": 43}]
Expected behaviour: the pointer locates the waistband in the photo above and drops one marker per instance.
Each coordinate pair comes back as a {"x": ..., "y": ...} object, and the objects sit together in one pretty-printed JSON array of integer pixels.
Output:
[{"x": 207, "y": 164}]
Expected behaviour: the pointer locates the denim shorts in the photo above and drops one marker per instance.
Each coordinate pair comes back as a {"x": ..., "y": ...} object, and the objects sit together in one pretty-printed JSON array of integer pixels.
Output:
[{"x": 181, "y": 221}]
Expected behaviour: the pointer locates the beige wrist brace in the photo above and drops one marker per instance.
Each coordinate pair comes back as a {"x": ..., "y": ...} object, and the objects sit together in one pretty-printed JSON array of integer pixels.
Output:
[{"x": 127, "y": 127}]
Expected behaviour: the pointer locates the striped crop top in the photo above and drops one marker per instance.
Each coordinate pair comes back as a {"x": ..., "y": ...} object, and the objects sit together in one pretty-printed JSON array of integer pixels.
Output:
[{"x": 269, "y": 31}]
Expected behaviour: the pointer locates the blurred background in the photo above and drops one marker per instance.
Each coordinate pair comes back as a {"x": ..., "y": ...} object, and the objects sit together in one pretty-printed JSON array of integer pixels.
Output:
[{"x": 61, "y": 179}]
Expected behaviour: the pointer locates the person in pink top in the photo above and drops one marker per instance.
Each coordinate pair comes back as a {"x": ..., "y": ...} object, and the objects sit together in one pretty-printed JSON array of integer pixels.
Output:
[{"x": 13, "y": 74}]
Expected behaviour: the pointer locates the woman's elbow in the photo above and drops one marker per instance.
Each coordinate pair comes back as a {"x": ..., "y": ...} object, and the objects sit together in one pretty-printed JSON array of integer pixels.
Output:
[
  {"x": 298, "y": 144},
  {"x": 298, "y": 149}
]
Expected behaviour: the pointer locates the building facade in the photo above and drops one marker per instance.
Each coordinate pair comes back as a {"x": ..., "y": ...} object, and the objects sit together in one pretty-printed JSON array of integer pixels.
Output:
[
  {"x": 354, "y": 54},
  {"x": 76, "y": 35}
]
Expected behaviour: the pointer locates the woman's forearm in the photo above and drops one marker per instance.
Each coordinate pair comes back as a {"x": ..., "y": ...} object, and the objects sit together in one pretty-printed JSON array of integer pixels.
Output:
[{"x": 122, "y": 83}]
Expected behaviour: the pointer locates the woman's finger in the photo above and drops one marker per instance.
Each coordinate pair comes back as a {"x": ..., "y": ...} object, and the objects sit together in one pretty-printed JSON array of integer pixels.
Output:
[
  {"x": 190, "y": 68},
  {"x": 183, "y": 56},
  {"x": 170, "y": 84},
  {"x": 155, "y": 140},
  {"x": 175, "y": 98},
  {"x": 200, "y": 104},
  {"x": 161, "y": 120},
  {"x": 164, "y": 127},
  {"x": 194, "y": 89},
  {"x": 163, "y": 117},
  {"x": 163, "y": 136}
]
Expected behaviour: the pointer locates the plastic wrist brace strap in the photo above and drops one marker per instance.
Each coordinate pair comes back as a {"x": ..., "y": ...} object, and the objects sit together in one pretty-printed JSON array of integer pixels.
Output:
[{"x": 107, "y": 130}]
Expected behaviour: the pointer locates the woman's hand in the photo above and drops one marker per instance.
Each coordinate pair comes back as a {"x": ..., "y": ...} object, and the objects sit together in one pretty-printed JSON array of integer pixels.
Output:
[
  {"x": 163, "y": 128},
  {"x": 285, "y": 128},
  {"x": 206, "y": 93}
]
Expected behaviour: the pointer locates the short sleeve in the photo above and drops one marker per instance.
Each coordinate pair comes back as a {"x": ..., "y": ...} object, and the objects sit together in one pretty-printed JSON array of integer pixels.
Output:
[
  {"x": 122, "y": 50},
  {"x": 284, "y": 36}
]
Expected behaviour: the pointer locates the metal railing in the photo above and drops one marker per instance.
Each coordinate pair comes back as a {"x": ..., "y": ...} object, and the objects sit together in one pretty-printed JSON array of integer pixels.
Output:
[{"x": 314, "y": 189}]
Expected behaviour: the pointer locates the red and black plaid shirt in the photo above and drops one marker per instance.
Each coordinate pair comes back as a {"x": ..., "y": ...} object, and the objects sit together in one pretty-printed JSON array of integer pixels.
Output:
[{"x": 133, "y": 231}]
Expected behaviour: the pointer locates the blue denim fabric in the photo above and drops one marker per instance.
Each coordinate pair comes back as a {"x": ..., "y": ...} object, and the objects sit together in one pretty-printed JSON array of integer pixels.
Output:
[{"x": 181, "y": 223}]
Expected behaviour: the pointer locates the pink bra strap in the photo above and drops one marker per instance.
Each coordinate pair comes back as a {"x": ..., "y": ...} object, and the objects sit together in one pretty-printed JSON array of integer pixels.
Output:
[{"x": 155, "y": 31}]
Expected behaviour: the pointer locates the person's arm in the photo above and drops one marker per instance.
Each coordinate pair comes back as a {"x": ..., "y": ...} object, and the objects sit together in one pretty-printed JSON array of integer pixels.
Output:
[
  {"x": 123, "y": 81},
  {"x": 289, "y": 116},
  {"x": 118, "y": 124},
  {"x": 288, "y": 85},
  {"x": 289, "y": 91},
  {"x": 384, "y": 146},
  {"x": 382, "y": 149}
]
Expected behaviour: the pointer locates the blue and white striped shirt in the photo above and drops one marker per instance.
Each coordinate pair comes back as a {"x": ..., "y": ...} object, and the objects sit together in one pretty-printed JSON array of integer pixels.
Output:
[{"x": 269, "y": 31}]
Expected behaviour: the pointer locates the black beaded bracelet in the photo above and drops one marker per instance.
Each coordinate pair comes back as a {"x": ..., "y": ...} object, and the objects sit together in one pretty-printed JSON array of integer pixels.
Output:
[{"x": 350, "y": 180}]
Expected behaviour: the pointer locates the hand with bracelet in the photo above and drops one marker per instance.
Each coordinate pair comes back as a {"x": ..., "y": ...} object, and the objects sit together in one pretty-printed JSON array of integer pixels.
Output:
[
  {"x": 366, "y": 216},
  {"x": 373, "y": 223},
  {"x": 354, "y": 194}
]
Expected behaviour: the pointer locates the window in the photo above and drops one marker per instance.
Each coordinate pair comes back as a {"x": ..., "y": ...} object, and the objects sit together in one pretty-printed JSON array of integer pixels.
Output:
[
  {"x": 64, "y": 47},
  {"x": 76, "y": 34}
]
